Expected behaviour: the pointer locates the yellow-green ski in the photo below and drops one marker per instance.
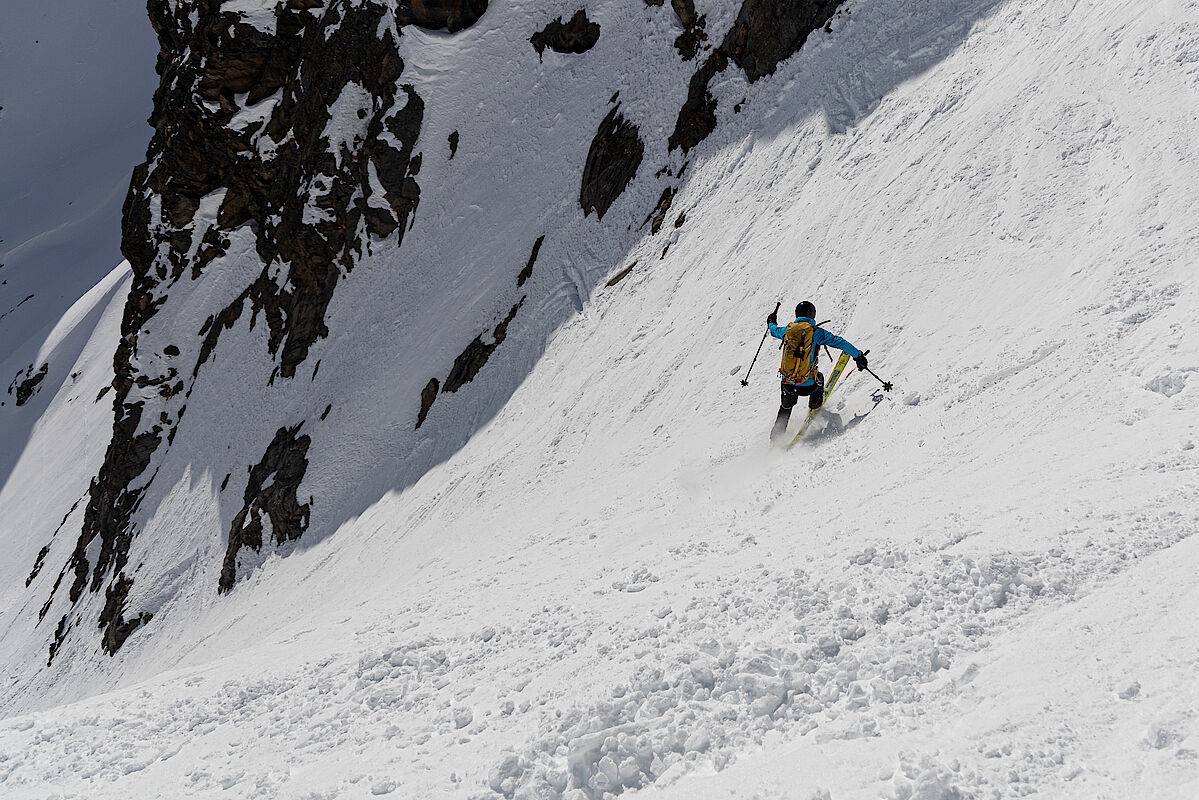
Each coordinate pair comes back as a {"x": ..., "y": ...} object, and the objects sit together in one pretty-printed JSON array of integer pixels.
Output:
[{"x": 828, "y": 389}]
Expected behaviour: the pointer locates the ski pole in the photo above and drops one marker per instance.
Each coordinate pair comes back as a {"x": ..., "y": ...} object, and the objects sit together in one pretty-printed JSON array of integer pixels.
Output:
[
  {"x": 887, "y": 385},
  {"x": 745, "y": 380}
]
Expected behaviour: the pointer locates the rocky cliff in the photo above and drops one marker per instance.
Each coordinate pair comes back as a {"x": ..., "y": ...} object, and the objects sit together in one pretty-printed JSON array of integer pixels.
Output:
[{"x": 287, "y": 151}]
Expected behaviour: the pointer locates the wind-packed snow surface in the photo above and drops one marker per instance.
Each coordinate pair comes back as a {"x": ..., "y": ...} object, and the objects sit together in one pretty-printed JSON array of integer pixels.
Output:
[{"x": 982, "y": 585}]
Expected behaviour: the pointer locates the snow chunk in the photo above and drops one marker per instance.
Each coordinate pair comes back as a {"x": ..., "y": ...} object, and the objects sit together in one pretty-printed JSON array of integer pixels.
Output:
[
  {"x": 698, "y": 742},
  {"x": 636, "y": 582},
  {"x": 383, "y": 787},
  {"x": 1130, "y": 691},
  {"x": 766, "y": 705},
  {"x": 1169, "y": 384},
  {"x": 1161, "y": 735},
  {"x": 505, "y": 772},
  {"x": 259, "y": 113}
]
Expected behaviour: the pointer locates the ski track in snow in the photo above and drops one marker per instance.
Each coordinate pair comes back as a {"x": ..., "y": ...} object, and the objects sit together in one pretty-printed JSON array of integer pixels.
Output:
[
  {"x": 985, "y": 592},
  {"x": 749, "y": 659}
]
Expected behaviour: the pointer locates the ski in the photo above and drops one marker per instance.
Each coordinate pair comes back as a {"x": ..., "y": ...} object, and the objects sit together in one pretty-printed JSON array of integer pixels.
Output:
[{"x": 828, "y": 389}]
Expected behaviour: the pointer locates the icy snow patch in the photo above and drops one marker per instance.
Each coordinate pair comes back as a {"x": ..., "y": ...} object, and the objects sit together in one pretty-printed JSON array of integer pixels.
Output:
[
  {"x": 345, "y": 128},
  {"x": 259, "y": 14}
]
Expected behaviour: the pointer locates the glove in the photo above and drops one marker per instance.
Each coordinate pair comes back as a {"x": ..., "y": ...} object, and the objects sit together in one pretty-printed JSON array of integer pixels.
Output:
[
  {"x": 773, "y": 319},
  {"x": 860, "y": 361}
]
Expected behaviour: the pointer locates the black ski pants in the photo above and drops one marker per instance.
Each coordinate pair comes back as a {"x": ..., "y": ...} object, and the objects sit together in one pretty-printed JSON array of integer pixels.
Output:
[{"x": 791, "y": 394}]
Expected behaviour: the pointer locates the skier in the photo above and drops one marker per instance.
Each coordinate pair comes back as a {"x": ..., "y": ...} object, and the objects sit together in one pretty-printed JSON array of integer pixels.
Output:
[{"x": 800, "y": 376}]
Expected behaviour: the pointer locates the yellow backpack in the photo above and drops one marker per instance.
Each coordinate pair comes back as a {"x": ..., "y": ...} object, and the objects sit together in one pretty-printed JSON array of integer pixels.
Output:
[{"x": 798, "y": 364}]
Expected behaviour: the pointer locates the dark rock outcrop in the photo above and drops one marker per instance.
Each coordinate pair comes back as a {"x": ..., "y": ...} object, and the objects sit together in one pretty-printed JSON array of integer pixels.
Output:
[
  {"x": 658, "y": 215},
  {"x": 468, "y": 363},
  {"x": 769, "y": 31},
  {"x": 29, "y": 384},
  {"x": 284, "y": 463},
  {"x": 307, "y": 194},
  {"x": 41, "y": 615},
  {"x": 471, "y": 360},
  {"x": 45, "y": 551},
  {"x": 527, "y": 272},
  {"x": 453, "y": 140},
  {"x": 294, "y": 145},
  {"x": 112, "y": 618},
  {"x": 697, "y": 117},
  {"x": 18, "y": 305},
  {"x": 427, "y": 396},
  {"x": 688, "y": 42},
  {"x": 37, "y": 564},
  {"x": 60, "y": 635},
  {"x": 576, "y": 36},
  {"x": 111, "y": 501},
  {"x": 620, "y": 276},
  {"x": 450, "y": 15},
  {"x": 764, "y": 33},
  {"x": 311, "y": 174},
  {"x": 612, "y": 162}
]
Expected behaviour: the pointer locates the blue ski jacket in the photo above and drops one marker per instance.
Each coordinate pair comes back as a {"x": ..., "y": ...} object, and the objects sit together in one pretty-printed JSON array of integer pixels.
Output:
[{"x": 820, "y": 338}]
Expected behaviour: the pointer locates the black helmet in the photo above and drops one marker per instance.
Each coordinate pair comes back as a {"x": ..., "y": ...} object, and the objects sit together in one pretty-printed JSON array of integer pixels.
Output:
[{"x": 806, "y": 309}]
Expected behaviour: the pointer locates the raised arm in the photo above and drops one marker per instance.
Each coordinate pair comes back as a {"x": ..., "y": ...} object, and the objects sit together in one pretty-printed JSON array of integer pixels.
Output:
[{"x": 824, "y": 338}]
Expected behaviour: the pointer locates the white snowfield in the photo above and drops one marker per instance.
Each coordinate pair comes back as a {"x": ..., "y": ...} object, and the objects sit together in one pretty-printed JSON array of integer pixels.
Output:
[{"x": 984, "y": 585}]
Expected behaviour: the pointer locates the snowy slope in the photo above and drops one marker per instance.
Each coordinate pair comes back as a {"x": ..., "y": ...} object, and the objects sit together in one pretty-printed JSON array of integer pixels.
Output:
[
  {"x": 981, "y": 588},
  {"x": 76, "y": 81},
  {"x": 71, "y": 129}
]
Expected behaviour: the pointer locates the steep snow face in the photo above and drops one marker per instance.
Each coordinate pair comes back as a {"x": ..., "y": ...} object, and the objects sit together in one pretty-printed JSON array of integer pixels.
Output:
[
  {"x": 975, "y": 588},
  {"x": 282, "y": 192}
]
